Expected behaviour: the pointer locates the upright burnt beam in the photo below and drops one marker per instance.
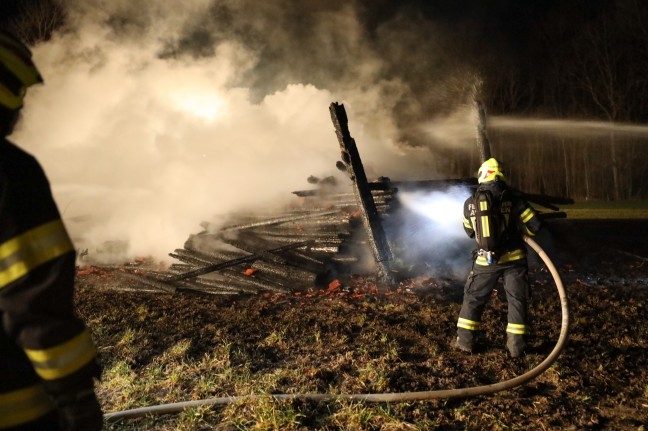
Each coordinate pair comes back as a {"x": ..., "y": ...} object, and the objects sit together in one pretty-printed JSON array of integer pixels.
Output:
[
  {"x": 482, "y": 135},
  {"x": 370, "y": 216}
]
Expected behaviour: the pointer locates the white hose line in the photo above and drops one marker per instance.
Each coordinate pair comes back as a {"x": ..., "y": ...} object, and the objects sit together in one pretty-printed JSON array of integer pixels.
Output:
[{"x": 389, "y": 397}]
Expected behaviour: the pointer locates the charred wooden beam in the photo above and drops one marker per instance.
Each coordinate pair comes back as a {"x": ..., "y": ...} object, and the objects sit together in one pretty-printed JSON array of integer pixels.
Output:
[
  {"x": 320, "y": 232},
  {"x": 162, "y": 285},
  {"x": 208, "y": 290},
  {"x": 280, "y": 220},
  {"x": 243, "y": 282},
  {"x": 285, "y": 271},
  {"x": 375, "y": 192},
  {"x": 321, "y": 236},
  {"x": 244, "y": 244},
  {"x": 251, "y": 243},
  {"x": 217, "y": 266},
  {"x": 305, "y": 257},
  {"x": 370, "y": 217}
]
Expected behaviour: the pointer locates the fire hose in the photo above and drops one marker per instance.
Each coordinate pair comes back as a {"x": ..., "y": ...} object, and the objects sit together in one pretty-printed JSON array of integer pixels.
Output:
[{"x": 390, "y": 397}]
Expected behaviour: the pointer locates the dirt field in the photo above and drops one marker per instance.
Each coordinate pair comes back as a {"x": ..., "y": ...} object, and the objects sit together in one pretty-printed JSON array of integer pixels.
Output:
[{"x": 364, "y": 338}]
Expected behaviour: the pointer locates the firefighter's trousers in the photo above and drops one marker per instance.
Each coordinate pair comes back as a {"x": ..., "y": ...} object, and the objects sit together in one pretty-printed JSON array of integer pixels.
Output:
[{"x": 481, "y": 282}]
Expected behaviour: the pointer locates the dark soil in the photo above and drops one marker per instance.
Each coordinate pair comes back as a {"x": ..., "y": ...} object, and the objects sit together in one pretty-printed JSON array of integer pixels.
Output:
[{"x": 600, "y": 381}]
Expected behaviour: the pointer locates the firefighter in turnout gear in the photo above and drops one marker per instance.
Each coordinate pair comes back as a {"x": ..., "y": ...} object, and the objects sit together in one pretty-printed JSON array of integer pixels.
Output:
[
  {"x": 497, "y": 222},
  {"x": 47, "y": 358}
]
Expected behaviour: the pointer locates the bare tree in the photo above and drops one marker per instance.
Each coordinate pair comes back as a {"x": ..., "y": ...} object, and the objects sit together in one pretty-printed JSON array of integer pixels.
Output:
[{"x": 36, "y": 20}]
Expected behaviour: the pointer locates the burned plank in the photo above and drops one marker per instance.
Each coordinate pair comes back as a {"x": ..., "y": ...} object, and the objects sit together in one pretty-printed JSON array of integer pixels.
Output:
[
  {"x": 237, "y": 279},
  {"x": 354, "y": 168},
  {"x": 280, "y": 220},
  {"x": 217, "y": 266},
  {"x": 162, "y": 285}
]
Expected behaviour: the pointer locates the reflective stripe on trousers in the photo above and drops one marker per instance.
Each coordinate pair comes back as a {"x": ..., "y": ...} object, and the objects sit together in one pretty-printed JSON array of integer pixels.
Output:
[{"x": 24, "y": 406}]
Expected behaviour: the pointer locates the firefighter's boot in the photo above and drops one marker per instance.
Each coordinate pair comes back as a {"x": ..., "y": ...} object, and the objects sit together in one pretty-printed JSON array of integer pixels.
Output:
[
  {"x": 465, "y": 340},
  {"x": 515, "y": 344}
]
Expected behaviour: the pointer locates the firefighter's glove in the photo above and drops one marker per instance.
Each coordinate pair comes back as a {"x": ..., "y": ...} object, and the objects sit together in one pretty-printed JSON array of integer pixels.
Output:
[{"x": 79, "y": 411}]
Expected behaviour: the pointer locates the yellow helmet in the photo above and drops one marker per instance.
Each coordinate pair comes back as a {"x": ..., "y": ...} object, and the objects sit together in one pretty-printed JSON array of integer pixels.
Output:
[
  {"x": 489, "y": 171},
  {"x": 17, "y": 71}
]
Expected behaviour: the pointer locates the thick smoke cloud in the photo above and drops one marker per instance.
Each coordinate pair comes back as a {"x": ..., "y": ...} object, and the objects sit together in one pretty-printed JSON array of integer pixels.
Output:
[{"x": 158, "y": 115}]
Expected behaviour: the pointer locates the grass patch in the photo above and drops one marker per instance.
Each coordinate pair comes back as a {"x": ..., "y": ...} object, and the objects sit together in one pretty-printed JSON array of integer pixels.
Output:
[{"x": 607, "y": 210}]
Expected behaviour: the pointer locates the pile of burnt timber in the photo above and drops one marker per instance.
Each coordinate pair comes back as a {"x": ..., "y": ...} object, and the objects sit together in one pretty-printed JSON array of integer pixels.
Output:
[{"x": 306, "y": 246}]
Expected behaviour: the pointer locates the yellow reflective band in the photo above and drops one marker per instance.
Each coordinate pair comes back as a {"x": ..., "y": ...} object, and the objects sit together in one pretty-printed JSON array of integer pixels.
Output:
[
  {"x": 516, "y": 328},
  {"x": 24, "y": 405},
  {"x": 10, "y": 100},
  {"x": 485, "y": 226},
  {"x": 528, "y": 232},
  {"x": 483, "y": 205},
  {"x": 25, "y": 252},
  {"x": 527, "y": 215},
  {"x": 466, "y": 223},
  {"x": 22, "y": 68},
  {"x": 64, "y": 359},
  {"x": 470, "y": 325},
  {"x": 507, "y": 257}
]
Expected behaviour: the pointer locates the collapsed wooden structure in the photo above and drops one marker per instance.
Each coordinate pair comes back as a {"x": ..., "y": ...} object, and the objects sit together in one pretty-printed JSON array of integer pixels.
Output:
[{"x": 328, "y": 234}]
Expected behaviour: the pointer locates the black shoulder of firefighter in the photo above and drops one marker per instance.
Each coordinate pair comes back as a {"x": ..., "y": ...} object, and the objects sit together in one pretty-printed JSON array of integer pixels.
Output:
[
  {"x": 48, "y": 361},
  {"x": 518, "y": 217}
]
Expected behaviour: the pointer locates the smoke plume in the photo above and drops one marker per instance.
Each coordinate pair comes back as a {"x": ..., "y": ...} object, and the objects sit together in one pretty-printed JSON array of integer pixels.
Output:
[{"x": 156, "y": 116}]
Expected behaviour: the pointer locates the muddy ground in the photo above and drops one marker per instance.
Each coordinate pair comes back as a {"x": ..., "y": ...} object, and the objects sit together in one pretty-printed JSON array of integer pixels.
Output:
[{"x": 600, "y": 382}]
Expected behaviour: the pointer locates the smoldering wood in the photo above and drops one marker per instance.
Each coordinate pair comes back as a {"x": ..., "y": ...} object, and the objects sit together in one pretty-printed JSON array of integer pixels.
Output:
[
  {"x": 305, "y": 257},
  {"x": 209, "y": 291},
  {"x": 253, "y": 244},
  {"x": 343, "y": 222},
  {"x": 180, "y": 267},
  {"x": 288, "y": 240},
  {"x": 243, "y": 283},
  {"x": 346, "y": 260},
  {"x": 285, "y": 271},
  {"x": 272, "y": 263},
  {"x": 324, "y": 231},
  {"x": 215, "y": 267},
  {"x": 324, "y": 249},
  {"x": 163, "y": 286},
  {"x": 278, "y": 220},
  {"x": 245, "y": 245},
  {"x": 369, "y": 213},
  {"x": 240, "y": 280},
  {"x": 315, "y": 237},
  {"x": 318, "y": 193}
]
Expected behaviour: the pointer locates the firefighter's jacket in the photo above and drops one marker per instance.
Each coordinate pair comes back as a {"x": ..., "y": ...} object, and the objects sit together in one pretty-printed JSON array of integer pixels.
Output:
[
  {"x": 44, "y": 347},
  {"x": 519, "y": 218}
]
